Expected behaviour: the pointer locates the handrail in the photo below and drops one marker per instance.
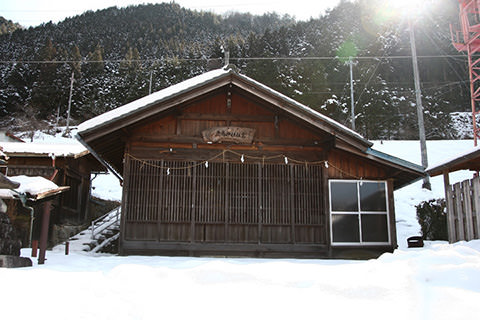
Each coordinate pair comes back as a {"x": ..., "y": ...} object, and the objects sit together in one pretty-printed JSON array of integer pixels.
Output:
[
  {"x": 104, "y": 243},
  {"x": 113, "y": 219}
]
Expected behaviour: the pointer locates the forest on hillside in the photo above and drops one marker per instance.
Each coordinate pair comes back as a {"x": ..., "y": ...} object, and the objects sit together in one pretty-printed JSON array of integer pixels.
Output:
[{"x": 117, "y": 55}]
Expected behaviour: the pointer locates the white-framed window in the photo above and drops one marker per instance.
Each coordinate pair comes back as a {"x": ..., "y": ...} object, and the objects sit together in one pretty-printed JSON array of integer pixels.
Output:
[{"x": 359, "y": 212}]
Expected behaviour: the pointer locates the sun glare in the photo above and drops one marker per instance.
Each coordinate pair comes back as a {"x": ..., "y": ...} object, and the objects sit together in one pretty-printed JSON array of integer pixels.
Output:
[
  {"x": 390, "y": 11},
  {"x": 405, "y": 7}
]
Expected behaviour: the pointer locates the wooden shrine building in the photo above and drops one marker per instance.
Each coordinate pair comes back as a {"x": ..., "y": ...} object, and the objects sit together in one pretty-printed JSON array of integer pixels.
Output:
[{"x": 223, "y": 165}]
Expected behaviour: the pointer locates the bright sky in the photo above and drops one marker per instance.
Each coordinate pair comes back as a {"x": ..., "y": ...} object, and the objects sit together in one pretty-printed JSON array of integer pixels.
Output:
[{"x": 34, "y": 12}]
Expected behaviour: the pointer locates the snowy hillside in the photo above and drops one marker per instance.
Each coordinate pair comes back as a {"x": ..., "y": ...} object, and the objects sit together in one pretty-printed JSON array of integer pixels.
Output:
[{"x": 439, "y": 281}]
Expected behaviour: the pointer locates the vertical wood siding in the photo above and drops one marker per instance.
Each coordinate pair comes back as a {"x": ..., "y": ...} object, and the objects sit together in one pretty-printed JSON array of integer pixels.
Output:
[{"x": 183, "y": 201}]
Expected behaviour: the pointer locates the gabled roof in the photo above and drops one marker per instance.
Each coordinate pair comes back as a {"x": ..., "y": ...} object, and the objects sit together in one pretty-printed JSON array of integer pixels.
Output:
[
  {"x": 100, "y": 138},
  {"x": 219, "y": 77},
  {"x": 468, "y": 160}
]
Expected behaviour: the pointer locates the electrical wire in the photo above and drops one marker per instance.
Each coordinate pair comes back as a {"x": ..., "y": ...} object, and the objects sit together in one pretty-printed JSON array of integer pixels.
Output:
[{"x": 231, "y": 59}]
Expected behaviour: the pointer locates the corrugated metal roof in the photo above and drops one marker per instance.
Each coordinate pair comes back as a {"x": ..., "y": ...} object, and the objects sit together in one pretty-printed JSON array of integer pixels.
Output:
[{"x": 404, "y": 163}]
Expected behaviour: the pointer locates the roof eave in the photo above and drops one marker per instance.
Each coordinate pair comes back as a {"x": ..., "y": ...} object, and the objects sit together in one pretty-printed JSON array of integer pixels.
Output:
[
  {"x": 414, "y": 171},
  {"x": 456, "y": 164},
  {"x": 89, "y": 129},
  {"x": 304, "y": 112}
]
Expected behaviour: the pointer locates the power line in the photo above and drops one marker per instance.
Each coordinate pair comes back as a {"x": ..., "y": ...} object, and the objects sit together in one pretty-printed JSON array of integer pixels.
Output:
[{"x": 231, "y": 58}]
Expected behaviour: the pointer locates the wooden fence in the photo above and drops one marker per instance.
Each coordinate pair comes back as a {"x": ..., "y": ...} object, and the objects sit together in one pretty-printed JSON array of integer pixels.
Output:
[{"x": 463, "y": 210}]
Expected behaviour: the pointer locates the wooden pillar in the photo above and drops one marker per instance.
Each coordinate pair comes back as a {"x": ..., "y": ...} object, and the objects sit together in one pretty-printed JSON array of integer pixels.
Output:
[
  {"x": 391, "y": 213},
  {"x": 260, "y": 204},
  {"x": 34, "y": 248},
  {"x": 292, "y": 201},
  {"x": 44, "y": 231},
  {"x": 194, "y": 205},
  {"x": 226, "y": 197},
  {"x": 127, "y": 168},
  {"x": 326, "y": 206},
  {"x": 450, "y": 210}
]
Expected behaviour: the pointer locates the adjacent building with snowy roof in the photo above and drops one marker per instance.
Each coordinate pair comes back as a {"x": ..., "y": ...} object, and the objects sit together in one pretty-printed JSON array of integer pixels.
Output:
[
  {"x": 64, "y": 164},
  {"x": 221, "y": 164},
  {"x": 462, "y": 198}
]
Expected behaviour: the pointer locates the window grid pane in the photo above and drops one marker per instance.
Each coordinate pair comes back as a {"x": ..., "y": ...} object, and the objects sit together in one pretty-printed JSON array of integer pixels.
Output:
[
  {"x": 345, "y": 228},
  {"x": 358, "y": 211},
  {"x": 344, "y": 197},
  {"x": 372, "y": 197}
]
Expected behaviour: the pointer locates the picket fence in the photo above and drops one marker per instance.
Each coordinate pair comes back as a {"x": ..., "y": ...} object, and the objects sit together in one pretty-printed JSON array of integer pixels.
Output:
[{"x": 463, "y": 210}]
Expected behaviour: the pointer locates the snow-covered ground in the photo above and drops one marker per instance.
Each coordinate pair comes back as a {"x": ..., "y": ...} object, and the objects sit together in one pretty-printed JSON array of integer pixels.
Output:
[{"x": 439, "y": 281}]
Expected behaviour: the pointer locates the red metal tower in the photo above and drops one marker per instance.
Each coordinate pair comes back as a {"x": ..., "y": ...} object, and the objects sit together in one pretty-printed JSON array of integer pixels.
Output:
[{"x": 468, "y": 40}]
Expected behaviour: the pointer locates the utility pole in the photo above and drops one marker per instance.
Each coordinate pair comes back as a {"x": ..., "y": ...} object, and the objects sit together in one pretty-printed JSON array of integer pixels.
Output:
[
  {"x": 352, "y": 102},
  {"x": 227, "y": 58},
  {"x": 418, "y": 96},
  {"x": 67, "y": 130},
  {"x": 58, "y": 118},
  {"x": 150, "y": 86}
]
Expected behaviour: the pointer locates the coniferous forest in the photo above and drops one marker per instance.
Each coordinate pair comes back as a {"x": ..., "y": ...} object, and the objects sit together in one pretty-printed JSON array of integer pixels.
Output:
[{"x": 117, "y": 55}]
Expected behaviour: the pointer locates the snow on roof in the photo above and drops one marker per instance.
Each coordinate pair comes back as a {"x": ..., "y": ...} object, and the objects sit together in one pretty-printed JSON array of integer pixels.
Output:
[
  {"x": 153, "y": 98},
  {"x": 192, "y": 83},
  {"x": 32, "y": 186},
  {"x": 43, "y": 149},
  {"x": 457, "y": 157}
]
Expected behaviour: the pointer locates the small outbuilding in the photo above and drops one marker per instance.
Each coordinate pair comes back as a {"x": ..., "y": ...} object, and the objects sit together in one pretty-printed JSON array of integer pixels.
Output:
[
  {"x": 462, "y": 198},
  {"x": 37, "y": 195},
  {"x": 64, "y": 164},
  {"x": 223, "y": 165}
]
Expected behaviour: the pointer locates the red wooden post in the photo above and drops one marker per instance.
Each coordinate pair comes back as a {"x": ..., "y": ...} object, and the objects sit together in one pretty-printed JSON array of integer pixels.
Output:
[
  {"x": 34, "y": 248},
  {"x": 44, "y": 232}
]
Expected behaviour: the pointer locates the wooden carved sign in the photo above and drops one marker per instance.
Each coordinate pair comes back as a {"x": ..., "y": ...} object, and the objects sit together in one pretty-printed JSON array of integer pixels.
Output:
[{"x": 228, "y": 134}]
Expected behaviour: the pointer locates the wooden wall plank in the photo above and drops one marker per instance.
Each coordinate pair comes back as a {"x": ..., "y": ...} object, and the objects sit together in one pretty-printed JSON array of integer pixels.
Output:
[
  {"x": 467, "y": 200},
  {"x": 450, "y": 208},
  {"x": 476, "y": 206},
  {"x": 459, "y": 223}
]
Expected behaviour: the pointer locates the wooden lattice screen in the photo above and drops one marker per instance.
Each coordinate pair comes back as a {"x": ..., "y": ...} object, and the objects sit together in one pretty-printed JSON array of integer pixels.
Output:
[
  {"x": 224, "y": 202},
  {"x": 463, "y": 210}
]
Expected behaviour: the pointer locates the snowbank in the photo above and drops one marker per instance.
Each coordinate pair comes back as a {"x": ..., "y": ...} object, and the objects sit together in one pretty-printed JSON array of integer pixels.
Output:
[{"x": 437, "y": 282}]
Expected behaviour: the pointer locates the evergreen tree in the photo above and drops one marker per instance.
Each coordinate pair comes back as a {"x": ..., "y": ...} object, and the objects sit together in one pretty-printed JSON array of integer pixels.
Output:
[{"x": 45, "y": 91}]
